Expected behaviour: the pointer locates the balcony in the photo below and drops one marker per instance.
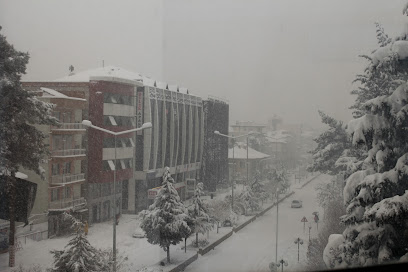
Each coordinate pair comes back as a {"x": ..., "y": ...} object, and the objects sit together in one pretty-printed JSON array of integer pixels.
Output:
[
  {"x": 67, "y": 204},
  {"x": 69, "y": 127},
  {"x": 64, "y": 179},
  {"x": 68, "y": 153}
]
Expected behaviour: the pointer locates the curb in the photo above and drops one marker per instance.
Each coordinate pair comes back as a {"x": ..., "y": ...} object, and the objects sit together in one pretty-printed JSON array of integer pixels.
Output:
[
  {"x": 205, "y": 250},
  {"x": 307, "y": 182},
  {"x": 184, "y": 264}
]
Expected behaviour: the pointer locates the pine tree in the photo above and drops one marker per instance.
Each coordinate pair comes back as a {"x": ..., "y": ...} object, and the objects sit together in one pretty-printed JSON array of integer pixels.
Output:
[
  {"x": 258, "y": 188},
  {"x": 78, "y": 255},
  {"x": 377, "y": 196},
  {"x": 330, "y": 147},
  {"x": 198, "y": 212},
  {"x": 165, "y": 222},
  {"x": 250, "y": 200},
  {"x": 22, "y": 144}
]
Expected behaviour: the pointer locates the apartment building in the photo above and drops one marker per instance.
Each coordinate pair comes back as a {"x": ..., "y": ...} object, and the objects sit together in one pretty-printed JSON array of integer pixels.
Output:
[{"x": 60, "y": 188}]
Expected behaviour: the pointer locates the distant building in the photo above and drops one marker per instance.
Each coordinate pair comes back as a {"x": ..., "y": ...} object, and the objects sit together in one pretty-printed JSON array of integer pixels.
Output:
[
  {"x": 241, "y": 127},
  {"x": 238, "y": 158}
]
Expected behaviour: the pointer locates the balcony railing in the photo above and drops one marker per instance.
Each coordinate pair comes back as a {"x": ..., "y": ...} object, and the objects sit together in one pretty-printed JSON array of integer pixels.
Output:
[
  {"x": 67, "y": 203},
  {"x": 68, "y": 153},
  {"x": 62, "y": 179},
  {"x": 70, "y": 126}
]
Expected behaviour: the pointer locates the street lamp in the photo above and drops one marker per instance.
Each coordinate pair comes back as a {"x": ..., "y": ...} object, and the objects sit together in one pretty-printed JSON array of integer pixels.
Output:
[
  {"x": 282, "y": 262},
  {"x": 233, "y": 157},
  {"x": 299, "y": 242},
  {"x": 277, "y": 201},
  {"x": 88, "y": 123}
]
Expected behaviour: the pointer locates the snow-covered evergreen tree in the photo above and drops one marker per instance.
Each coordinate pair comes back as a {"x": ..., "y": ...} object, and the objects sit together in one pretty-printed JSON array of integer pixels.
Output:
[
  {"x": 198, "y": 212},
  {"x": 330, "y": 147},
  {"x": 258, "y": 188},
  {"x": 22, "y": 144},
  {"x": 220, "y": 211},
  {"x": 78, "y": 255},
  {"x": 377, "y": 196},
  {"x": 250, "y": 200},
  {"x": 384, "y": 72},
  {"x": 165, "y": 222}
]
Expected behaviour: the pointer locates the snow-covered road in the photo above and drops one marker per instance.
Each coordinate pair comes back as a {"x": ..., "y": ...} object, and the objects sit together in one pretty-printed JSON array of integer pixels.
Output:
[{"x": 253, "y": 248}]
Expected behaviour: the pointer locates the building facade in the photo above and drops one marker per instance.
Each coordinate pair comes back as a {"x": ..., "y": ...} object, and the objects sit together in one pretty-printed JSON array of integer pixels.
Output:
[
  {"x": 60, "y": 188},
  {"x": 119, "y": 100},
  {"x": 215, "y": 169}
]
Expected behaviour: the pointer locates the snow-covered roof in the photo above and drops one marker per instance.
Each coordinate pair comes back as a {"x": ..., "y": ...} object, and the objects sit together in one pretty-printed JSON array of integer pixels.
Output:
[
  {"x": 400, "y": 48},
  {"x": 18, "y": 174},
  {"x": 173, "y": 88},
  {"x": 161, "y": 85},
  {"x": 108, "y": 71},
  {"x": 240, "y": 152},
  {"x": 147, "y": 81},
  {"x": 50, "y": 93},
  {"x": 278, "y": 136},
  {"x": 247, "y": 124},
  {"x": 119, "y": 73}
]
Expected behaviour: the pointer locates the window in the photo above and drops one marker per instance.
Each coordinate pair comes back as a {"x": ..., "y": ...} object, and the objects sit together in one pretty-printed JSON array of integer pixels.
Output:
[
  {"x": 123, "y": 121},
  {"x": 117, "y": 99},
  {"x": 55, "y": 170},
  {"x": 54, "y": 194},
  {"x": 66, "y": 169},
  {"x": 120, "y": 142},
  {"x": 67, "y": 190},
  {"x": 112, "y": 120},
  {"x": 111, "y": 165}
]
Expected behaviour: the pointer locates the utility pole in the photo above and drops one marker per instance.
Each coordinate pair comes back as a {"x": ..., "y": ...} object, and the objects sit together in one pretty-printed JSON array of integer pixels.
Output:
[{"x": 247, "y": 161}]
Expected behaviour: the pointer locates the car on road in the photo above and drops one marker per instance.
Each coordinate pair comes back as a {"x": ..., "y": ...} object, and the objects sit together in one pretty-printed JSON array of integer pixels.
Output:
[
  {"x": 139, "y": 233},
  {"x": 296, "y": 204}
]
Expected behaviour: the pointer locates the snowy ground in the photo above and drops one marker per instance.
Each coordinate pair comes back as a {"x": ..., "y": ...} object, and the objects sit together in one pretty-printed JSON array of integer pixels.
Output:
[
  {"x": 253, "y": 248},
  {"x": 142, "y": 254}
]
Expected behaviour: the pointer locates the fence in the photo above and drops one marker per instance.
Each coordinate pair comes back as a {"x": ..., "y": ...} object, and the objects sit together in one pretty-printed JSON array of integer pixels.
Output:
[{"x": 36, "y": 236}]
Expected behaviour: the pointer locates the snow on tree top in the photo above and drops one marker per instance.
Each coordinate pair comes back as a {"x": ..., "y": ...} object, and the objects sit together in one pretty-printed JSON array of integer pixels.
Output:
[{"x": 400, "y": 48}]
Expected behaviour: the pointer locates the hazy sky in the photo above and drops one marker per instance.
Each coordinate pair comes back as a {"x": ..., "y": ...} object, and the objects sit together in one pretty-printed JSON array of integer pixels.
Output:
[{"x": 285, "y": 57}]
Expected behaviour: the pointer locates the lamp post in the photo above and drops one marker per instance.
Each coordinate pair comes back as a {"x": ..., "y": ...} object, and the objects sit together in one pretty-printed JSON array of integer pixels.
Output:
[
  {"x": 282, "y": 262},
  {"x": 233, "y": 157},
  {"x": 277, "y": 200},
  {"x": 88, "y": 123},
  {"x": 299, "y": 242}
]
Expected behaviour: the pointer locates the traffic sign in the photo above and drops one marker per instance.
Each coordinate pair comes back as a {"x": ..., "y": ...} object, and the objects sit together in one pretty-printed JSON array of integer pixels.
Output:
[{"x": 304, "y": 220}]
